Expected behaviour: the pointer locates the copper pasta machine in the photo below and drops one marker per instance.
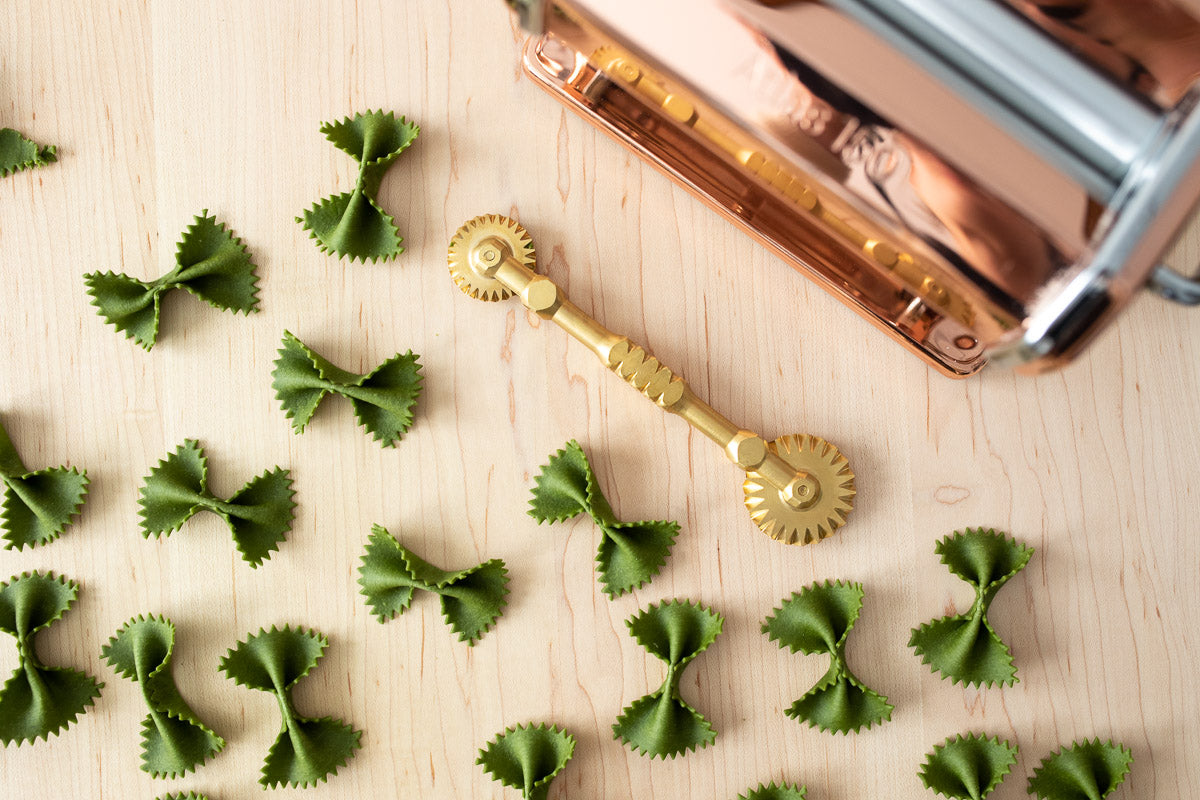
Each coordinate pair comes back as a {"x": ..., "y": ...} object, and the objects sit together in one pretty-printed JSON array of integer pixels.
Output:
[{"x": 985, "y": 180}]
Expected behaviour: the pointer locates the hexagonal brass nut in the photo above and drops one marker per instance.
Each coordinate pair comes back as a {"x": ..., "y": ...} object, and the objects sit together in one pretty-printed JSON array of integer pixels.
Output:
[
  {"x": 540, "y": 295},
  {"x": 746, "y": 449}
]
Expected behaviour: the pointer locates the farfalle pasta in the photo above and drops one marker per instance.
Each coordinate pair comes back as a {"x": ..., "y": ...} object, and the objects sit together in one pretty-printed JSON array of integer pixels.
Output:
[
  {"x": 38, "y": 700},
  {"x": 472, "y": 599},
  {"x": 174, "y": 740},
  {"x": 965, "y": 647},
  {"x": 773, "y": 791},
  {"x": 383, "y": 399},
  {"x": 1082, "y": 771},
  {"x": 307, "y": 750},
  {"x": 528, "y": 758},
  {"x": 661, "y": 724},
  {"x": 18, "y": 153},
  {"x": 968, "y": 767},
  {"x": 210, "y": 263},
  {"x": 259, "y": 515},
  {"x": 818, "y": 619},
  {"x": 353, "y": 223},
  {"x": 630, "y": 553},
  {"x": 38, "y": 506}
]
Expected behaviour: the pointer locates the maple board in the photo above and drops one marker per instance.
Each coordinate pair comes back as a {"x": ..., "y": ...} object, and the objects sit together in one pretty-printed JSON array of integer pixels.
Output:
[{"x": 162, "y": 109}]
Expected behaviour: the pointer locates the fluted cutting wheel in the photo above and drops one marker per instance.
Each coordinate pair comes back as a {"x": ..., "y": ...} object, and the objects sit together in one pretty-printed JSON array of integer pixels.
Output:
[
  {"x": 828, "y": 466},
  {"x": 466, "y": 275}
]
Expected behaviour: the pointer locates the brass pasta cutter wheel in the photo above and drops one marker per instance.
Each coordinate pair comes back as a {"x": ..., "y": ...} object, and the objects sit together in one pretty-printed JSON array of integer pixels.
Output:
[{"x": 799, "y": 488}]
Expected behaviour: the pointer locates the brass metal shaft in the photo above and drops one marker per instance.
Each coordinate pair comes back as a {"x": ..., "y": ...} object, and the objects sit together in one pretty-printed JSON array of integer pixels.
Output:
[{"x": 493, "y": 258}]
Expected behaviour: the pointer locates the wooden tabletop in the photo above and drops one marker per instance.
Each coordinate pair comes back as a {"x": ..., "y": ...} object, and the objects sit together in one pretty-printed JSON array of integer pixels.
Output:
[{"x": 163, "y": 109}]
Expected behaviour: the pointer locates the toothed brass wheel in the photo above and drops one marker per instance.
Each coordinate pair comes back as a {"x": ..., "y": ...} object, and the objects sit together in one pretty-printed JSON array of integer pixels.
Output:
[
  {"x": 471, "y": 274},
  {"x": 804, "y": 519}
]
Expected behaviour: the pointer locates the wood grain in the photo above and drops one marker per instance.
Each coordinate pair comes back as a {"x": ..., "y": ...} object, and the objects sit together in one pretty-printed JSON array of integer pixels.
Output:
[{"x": 161, "y": 109}]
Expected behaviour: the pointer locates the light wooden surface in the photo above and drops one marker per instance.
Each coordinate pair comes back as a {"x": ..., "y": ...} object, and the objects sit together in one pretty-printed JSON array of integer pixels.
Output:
[{"x": 162, "y": 109}]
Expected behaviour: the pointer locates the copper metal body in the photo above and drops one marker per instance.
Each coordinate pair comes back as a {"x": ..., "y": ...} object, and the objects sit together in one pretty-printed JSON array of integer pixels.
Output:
[
  {"x": 798, "y": 489},
  {"x": 983, "y": 180}
]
